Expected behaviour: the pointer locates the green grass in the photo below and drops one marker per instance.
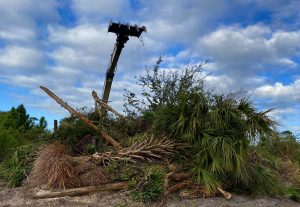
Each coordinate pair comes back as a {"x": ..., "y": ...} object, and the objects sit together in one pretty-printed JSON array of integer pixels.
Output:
[
  {"x": 151, "y": 188},
  {"x": 17, "y": 166}
]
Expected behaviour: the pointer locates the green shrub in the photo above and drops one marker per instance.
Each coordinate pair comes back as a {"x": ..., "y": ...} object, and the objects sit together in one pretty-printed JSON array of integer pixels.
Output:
[
  {"x": 294, "y": 193},
  {"x": 17, "y": 166},
  {"x": 263, "y": 181},
  {"x": 73, "y": 131},
  {"x": 152, "y": 187},
  {"x": 120, "y": 170},
  {"x": 91, "y": 148},
  {"x": 221, "y": 129},
  {"x": 283, "y": 145},
  {"x": 9, "y": 139}
]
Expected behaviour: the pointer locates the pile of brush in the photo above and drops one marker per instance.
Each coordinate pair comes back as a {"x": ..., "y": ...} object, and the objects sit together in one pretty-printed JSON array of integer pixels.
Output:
[{"x": 53, "y": 168}]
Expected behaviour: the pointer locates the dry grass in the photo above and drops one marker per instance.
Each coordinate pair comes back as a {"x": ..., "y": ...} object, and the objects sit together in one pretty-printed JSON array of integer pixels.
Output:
[
  {"x": 94, "y": 177},
  {"x": 53, "y": 169},
  {"x": 289, "y": 173},
  {"x": 90, "y": 175},
  {"x": 85, "y": 167}
]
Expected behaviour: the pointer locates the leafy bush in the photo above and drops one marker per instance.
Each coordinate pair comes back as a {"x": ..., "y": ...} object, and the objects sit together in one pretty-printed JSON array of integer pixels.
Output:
[
  {"x": 283, "y": 145},
  {"x": 73, "y": 131},
  {"x": 8, "y": 141},
  {"x": 152, "y": 187},
  {"x": 17, "y": 166},
  {"x": 263, "y": 181},
  {"x": 120, "y": 171}
]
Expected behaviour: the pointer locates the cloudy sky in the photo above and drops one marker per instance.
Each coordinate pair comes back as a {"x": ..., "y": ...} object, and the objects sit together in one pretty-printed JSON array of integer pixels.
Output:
[{"x": 64, "y": 45}]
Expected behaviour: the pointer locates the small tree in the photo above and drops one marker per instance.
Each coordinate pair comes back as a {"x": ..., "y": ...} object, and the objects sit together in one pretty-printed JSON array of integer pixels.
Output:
[{"x": 18, "y": 118}]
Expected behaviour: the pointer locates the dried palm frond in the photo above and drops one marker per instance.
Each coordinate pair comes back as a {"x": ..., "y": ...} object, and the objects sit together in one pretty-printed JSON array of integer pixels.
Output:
[
  {"x": 53, "y": 169},
  {"x": 148, "y": 150}
]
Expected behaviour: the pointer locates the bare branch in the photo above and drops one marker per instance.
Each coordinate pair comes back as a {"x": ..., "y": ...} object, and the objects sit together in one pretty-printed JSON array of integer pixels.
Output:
[
  {"x": 73, "y": 112},
  {"x": 105, "y": 105}
]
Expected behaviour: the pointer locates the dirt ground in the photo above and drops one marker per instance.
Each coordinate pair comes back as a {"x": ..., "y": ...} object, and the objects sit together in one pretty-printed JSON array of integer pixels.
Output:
[{"x": 22, "y": 197}]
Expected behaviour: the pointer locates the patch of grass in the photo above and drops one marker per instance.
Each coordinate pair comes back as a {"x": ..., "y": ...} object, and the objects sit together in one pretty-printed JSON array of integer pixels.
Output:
[
  {"x": 264, "y": 182},
  {"x": 294, "y": 193},
  {"x": 17, "y": 166},
  {"x": 8, "y": 142},
  {"x": 151, "y": 188}
]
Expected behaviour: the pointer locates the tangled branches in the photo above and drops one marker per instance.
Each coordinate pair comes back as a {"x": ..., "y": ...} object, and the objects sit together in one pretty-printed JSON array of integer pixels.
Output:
[{"x": 149, "y": 150}]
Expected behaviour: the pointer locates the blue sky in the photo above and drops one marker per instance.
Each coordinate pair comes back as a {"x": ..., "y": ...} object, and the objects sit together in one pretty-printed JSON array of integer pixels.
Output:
[{"x": 251, "y": 45}]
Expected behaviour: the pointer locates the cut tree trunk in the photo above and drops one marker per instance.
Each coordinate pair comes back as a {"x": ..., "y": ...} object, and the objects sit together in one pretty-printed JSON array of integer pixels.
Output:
[
  {"x": 82, "y": 191},
  {"x": 72, "y": 111}
]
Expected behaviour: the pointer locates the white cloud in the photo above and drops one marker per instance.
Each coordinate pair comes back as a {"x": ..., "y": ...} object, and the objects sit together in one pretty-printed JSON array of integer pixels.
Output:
[
  {"x": 182, "y": 22},
  {"x": 246, "y": 51},
  {"x": 221, "y": 84},
  {"x": 278, "y": 113},
  {"x": 19, "y": 18},
  {"x": 84, "y": 36},
  {"x": 65, "y": 56},
  {"x": 63, "y": 71},
  {"x": 17, "y": 34},
  {"x": 279, "y": 92},
  {"x": 21, "y": 58},
  {"x": 95, "y": 10}
]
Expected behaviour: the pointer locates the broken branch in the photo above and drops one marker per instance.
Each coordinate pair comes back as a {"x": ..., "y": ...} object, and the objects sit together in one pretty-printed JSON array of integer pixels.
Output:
[
  {"x": 148, "y": 150},
  {"x": 82, "y": 191},
  {"x": 72, "y": 111},
  {"x": 105, "y": 105}
]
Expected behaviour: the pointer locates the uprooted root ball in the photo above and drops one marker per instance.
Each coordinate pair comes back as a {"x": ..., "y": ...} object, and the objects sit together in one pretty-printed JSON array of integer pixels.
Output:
[{"x": 53, "y": 169}]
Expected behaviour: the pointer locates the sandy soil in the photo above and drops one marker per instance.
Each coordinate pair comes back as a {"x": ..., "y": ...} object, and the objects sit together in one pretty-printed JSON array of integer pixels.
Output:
[{"x": 22, "y": 197}]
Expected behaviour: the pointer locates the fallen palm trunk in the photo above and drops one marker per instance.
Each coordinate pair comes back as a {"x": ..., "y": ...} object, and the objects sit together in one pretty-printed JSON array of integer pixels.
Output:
[
  {"x": 149, "y": 150},
  {"x": 83, "y": 190},
  {"x": 72, "y": 111}
]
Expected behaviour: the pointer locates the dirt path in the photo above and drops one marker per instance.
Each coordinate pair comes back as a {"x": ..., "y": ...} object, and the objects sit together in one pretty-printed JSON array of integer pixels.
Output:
[{"x": 22, "y": 197}]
